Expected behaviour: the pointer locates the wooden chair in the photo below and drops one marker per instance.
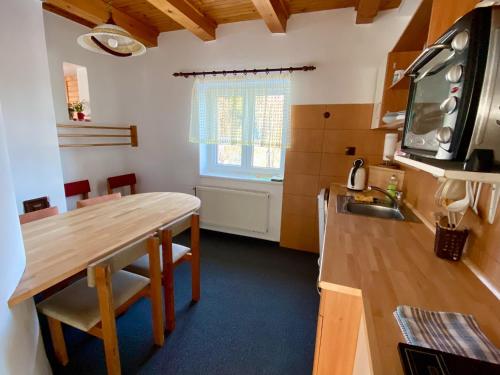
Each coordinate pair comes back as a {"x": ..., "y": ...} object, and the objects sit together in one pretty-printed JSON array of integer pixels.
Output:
[
  {"x": 37, "y": 215},
  {"x": 121, "y": 181},
  {"x": 97, "y": 200},
  {"x": 172, "y": 255},
  {"x": 36, "y": 204},
  {"x": 94, "y": 311},
  {"x": 81, "y": 188}
]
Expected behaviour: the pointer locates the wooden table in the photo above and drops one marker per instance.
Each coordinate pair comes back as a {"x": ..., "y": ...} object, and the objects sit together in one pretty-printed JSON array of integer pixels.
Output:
[{"x": 59, "y": 247}]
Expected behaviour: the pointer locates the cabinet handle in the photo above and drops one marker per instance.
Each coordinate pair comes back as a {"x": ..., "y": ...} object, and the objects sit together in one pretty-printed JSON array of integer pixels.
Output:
[{"x": 326, "y": 115}]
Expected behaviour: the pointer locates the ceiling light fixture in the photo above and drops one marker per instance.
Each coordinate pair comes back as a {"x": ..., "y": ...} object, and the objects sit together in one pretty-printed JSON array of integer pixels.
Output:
[{"x": 111, "y": 39}]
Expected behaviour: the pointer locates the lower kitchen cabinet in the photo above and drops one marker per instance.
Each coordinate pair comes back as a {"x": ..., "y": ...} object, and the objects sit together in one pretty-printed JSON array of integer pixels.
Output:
[{"x": 342, "y": 346}]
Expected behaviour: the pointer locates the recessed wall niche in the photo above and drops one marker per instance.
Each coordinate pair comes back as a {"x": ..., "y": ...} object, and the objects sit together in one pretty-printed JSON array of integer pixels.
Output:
[{"x": 77, "y": 92}]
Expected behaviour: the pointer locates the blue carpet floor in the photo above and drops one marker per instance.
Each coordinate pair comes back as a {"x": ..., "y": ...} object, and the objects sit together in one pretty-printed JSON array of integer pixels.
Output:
[{"x": 257, "y": 315}]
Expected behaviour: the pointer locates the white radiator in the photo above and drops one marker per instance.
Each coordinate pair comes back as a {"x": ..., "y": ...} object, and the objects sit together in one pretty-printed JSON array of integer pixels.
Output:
[{"x": 232, "y": 208}]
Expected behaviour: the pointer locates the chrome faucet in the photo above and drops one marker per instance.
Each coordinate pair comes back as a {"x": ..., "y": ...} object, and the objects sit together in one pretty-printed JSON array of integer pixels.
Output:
[{"x": 395, "y": 202}]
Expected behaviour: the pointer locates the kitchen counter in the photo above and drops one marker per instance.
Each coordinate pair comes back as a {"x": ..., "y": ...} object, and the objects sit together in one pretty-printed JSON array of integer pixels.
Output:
[{"x": 392, "y": 263}]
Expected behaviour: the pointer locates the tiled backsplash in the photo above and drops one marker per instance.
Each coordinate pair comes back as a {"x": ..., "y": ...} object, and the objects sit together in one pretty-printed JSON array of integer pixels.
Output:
[{"x": 317, "y": 158}]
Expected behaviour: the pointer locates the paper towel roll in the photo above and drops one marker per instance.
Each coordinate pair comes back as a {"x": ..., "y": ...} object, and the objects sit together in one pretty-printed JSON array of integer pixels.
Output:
[{"x": 390, "y": 146}]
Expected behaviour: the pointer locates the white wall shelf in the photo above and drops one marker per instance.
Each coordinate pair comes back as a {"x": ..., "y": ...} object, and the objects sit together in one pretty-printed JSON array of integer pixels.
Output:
[
  {"x": 393, "y": 125},
  {"x": 492, "y": 179},
  {"x": 455, "y": 174}
]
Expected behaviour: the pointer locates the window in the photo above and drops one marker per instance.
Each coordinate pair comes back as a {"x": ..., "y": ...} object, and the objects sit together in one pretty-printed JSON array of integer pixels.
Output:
[
  {"x": 241, "y": 125},
  {"x": 77, "y": 92}
]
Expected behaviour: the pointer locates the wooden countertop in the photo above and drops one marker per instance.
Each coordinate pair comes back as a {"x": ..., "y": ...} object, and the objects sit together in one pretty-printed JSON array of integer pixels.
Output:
[
  {"x": 60, "y": 246},
  {"x": 392, "y": 263}
]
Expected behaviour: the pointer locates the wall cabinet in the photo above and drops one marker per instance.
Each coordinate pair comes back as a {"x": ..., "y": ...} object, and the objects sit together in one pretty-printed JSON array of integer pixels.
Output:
[
  {"x": 445, "y": 13},
  {"x": 390, "y": 95}
]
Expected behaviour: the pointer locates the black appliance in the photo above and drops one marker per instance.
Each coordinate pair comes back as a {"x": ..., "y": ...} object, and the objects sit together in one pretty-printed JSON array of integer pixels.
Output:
[
  {"x": 454, "y": 103},
  {"x": 424, "y": 361}
]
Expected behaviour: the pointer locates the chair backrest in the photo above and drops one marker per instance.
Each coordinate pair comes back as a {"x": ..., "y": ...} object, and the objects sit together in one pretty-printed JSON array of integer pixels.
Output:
[
  {"x": 37, "y": 215},
  {"x": 97, "y": 200},
  {"x": 36, "y": 204},
  {"x": 77, "y": 188},
  {"x": 121, "y": 181},
  {"x": 122, "y": 258}
]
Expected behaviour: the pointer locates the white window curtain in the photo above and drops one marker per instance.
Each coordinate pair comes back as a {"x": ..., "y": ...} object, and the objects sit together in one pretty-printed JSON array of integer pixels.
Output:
[{"x": 251, "y": 110}]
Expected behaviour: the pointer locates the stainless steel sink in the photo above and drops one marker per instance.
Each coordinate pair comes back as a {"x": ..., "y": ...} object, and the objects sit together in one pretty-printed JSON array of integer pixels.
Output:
[
  {"x": 374, "y": 210},
  {"x": 379, "y": 209}
]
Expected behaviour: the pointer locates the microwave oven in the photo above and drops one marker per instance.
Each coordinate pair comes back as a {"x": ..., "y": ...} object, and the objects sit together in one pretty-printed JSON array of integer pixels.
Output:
[{"x": 453, "y": 108}]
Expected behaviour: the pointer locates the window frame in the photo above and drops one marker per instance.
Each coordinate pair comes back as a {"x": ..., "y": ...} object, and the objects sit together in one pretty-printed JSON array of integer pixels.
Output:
[{"x": 210, "y": 166}]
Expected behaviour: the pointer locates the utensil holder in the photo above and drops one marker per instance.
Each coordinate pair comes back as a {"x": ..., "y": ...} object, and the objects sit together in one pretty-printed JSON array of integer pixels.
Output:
[{"x": 449, "y": 243}]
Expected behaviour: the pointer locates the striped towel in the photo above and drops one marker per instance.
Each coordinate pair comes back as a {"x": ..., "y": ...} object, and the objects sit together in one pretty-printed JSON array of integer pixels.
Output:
[{"x": 448, "y": 332}]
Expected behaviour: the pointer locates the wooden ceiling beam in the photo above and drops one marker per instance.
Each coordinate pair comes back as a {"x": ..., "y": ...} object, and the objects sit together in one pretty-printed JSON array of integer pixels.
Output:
[
  {"x": 274, "y": 13},
  {"x": 188, "y": 16},
  {"x": 94, "y": 12},
  {"x": 367, "y": 10}
]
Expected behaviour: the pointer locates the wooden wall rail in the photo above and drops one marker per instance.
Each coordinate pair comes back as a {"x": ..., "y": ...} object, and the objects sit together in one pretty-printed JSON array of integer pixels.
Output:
[{"x": 94, "y": 131}]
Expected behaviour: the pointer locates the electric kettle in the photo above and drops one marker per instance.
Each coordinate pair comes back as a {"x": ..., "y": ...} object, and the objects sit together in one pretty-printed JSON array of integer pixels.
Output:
[{"x": 357, "y": 176}]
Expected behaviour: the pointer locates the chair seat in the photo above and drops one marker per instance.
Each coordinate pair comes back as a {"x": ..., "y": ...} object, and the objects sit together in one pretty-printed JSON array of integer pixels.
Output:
[
  {"x": 141, "y": 265},
  {"x": 78, "y": 305}
]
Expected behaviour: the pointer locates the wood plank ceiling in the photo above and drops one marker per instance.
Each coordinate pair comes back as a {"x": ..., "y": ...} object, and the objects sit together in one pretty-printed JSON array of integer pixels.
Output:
[{"x": 145, "y": 19}]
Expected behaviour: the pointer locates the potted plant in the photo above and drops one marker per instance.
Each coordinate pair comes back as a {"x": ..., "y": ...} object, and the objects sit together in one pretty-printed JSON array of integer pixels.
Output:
[{"x": 79, "y": 107}]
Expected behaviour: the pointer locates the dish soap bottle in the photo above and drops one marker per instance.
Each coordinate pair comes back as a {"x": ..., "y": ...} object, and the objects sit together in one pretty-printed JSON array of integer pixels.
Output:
[{"x": 392, "y": 186}]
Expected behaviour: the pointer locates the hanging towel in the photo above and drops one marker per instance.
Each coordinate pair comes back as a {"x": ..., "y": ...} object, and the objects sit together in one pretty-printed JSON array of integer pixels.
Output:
[{"x": 448, "y": 332}]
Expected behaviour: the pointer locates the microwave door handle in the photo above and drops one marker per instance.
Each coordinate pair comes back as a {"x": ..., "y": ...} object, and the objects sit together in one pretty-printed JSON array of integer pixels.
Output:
[
  {"x": 411, "y": 68},
  {"x": 435, "y": 69}
]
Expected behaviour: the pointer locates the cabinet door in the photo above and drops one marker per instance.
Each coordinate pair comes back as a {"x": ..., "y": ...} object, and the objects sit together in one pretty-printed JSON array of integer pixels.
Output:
[
  {"x": 445, "y": 13},
  {"x": 339, "y": 323}
]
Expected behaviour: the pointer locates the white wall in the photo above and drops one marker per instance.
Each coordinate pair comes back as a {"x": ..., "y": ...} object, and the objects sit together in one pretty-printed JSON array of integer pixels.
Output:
[
  {"x": 27, "y": 104},
  {"x": 117, "y": 96},
  {"x": 21, "y": 346},
  {"x": 346, "y": 56},
  {"x": 29, "y": 167},
  {"x": 83, "y": 88}
]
